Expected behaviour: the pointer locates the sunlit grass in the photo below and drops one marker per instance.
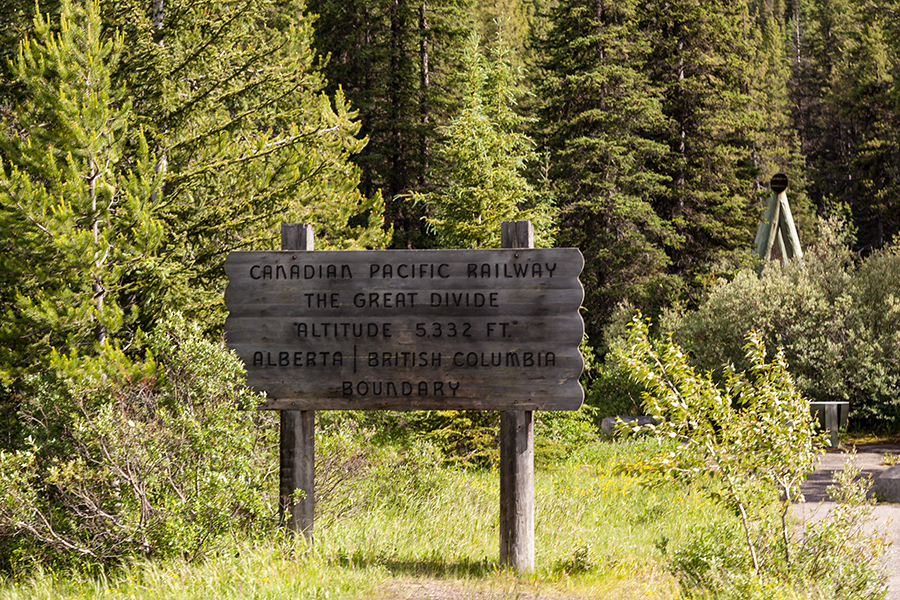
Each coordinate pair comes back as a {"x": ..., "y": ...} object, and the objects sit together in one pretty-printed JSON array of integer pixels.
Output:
[
  {"x": 599, "y": 531},
  {"x": 271, "y": 571}
]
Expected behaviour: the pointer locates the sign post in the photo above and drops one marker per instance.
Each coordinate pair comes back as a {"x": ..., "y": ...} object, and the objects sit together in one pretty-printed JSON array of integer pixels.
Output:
[
  {"x": 298, "y": 430},
  {"x": 517, "y": 454},
  {"x": 411, "y": 330}
]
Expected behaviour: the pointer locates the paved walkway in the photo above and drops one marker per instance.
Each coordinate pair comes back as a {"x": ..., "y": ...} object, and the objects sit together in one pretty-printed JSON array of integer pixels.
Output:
[{"x": 886, "y": 517}]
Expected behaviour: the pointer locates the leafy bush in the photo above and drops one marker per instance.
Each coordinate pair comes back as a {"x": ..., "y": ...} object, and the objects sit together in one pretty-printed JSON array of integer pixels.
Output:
[
  {"x": 609, "y": 389},
  {"x": 156, "y": 455},
  {"x": 836, "y": 556},
  {"x": 712, "y": 559},
  {"x": 754, "y": 435},
  {"x": 837, "y": 321},
  {"x": 613, "y": 393},
  {"x": 755, "y": 432}
]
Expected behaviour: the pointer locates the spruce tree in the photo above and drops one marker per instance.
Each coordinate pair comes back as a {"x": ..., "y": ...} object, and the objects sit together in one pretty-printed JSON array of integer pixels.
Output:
[
  {"x": 820, "y": 38},
  {"x": 777, "y": 141},
  {"x": 845, "y": 96},
  {"x": 600, "y": 120},
  {"x": 868, "y": 95},
  {"x": 395, "y": 60},
  {"x": 219, "y": 131},
  {"x": 514, "y": 20},
  {"x": 234, "y": 107},
  {"x": 701, "y": 59}
]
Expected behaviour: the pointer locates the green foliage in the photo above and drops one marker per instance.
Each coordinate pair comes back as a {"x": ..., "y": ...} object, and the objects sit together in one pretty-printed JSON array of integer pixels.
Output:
[
  {"x": 836, "y": 320},
  {"x": 145, "y": 145},
  {"x": 600, "y": 121},
  {"x": 77, "y": 185},
  {"x": 755, "y": 431},
  {"x": 601, "y": 532},
  {"x": 396, "y": 61},
  {"x": 559, "y": 434},
  {"x": 847, "y": 55},
  {"x": 517, "y": 19},
  {"x": 838, "y": 553},
  {"x": 777, "y": 138},
  {"x": 837, "y": 556},
  {"x": 754, "y": 436},
  {"x": 486, "y": 154},
  {"x": 232, "y": 100},
  {"x": 713, "y": 560},
  {"x": 125, "y": 456},
  {"x": 710, "y": 160},
  {"x": 612, "y": 392},
  {"x": 464, "y": 437},
  {"x": 273, "y": 570},
  {"x": 356, "y": 474}
]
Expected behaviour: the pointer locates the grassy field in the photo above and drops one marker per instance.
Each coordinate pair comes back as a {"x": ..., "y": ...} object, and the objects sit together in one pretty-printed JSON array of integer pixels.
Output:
[{"x": 600, "y": 531}]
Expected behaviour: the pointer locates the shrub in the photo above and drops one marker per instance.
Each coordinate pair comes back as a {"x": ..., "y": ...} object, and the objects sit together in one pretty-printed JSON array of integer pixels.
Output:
[
  {"x": 837, "y": 554},
  {"x": 612, "y": 392},
  {"x": 754, "y": 432},
  {"x": 159, "y": 454},
  {"x": 838, "y": 323},
  {"x": 754, "y": 435}
]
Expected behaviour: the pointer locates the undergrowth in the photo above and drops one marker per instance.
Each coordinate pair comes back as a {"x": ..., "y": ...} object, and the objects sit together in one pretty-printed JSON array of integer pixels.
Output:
[{"x": 607, "y": 525}]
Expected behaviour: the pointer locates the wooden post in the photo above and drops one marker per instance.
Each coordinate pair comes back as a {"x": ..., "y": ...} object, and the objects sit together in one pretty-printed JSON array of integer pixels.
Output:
[
  {"x": 777, "y": 230},
  {"x": 517, "y": 454},
  {"x": 298, "y": 430}
]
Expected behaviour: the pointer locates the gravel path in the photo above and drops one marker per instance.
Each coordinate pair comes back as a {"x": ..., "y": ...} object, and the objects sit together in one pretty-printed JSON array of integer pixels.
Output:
[{"x": 886, "y": 517}]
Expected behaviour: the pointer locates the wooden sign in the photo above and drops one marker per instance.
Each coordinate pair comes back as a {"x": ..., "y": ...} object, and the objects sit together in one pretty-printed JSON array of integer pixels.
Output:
[{"x": 409, "y": 329}]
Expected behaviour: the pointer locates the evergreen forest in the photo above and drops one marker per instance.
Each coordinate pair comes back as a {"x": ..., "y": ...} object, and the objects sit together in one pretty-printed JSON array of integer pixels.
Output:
[
  {"x": 643, "y": 133},
  {"x": 144, "y": 140}
]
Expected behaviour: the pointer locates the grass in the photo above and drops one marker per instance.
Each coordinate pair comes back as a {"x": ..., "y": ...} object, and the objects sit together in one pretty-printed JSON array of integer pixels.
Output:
[
  {"x": 599, "y": 532},
  {"x": 260, "y": 573}
]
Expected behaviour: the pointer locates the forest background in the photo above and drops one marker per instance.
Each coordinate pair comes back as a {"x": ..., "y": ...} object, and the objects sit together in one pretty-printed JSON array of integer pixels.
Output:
[
  {"x": 648, "y": 131},
  {"x": 143, "y": 141},
  {"x": 642, "y": 132}
]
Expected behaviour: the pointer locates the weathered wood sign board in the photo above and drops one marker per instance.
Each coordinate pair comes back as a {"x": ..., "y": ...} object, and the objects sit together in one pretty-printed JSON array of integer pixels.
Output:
[{"x": 409, "y": 330}]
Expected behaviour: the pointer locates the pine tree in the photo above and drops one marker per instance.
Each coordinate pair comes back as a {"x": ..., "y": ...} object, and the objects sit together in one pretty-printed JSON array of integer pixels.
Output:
[
  {"x": 511, "y": 19},
  {"x": 845, "y": 96},
  {"x": 820, "y": 37},
  {"x": 777, "y": 141},
  {"x": 599, "y": 121},
  {"x": 232, "y": 100},
  {"x": 219, "y": 131},
  {"x": 868, "y": 95},
  {"x": 486, "y": 153},
  {"x": 76, "y": 214}
]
